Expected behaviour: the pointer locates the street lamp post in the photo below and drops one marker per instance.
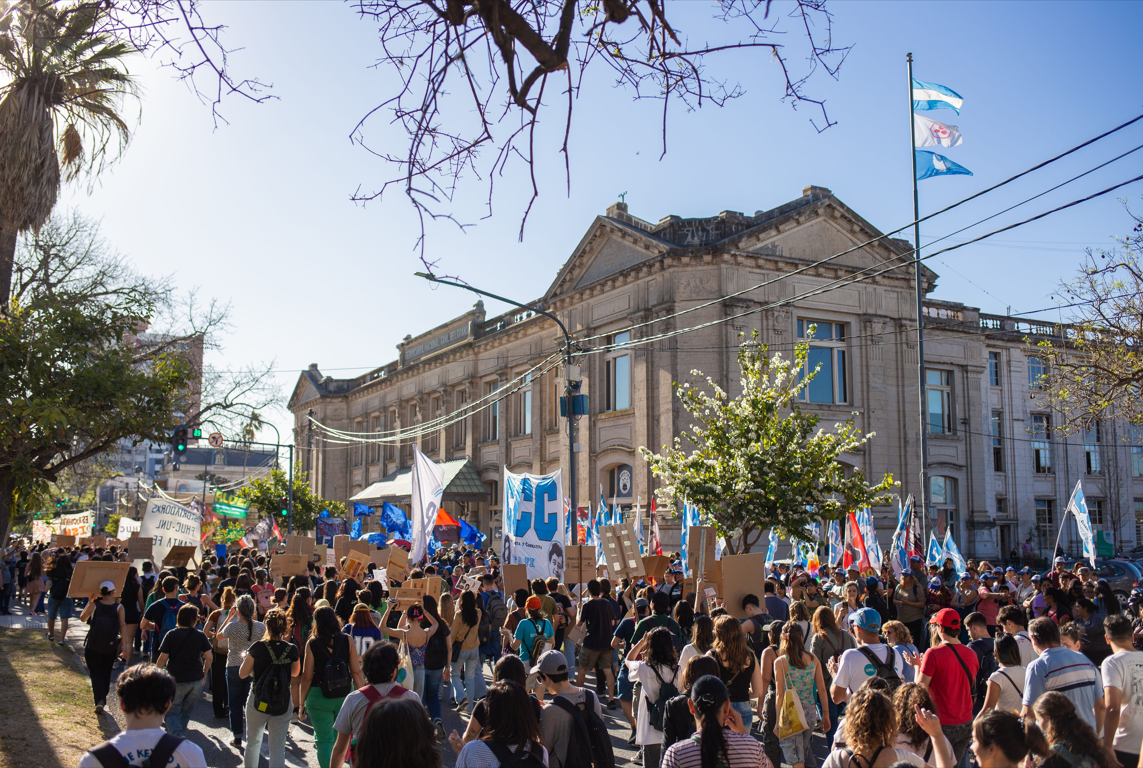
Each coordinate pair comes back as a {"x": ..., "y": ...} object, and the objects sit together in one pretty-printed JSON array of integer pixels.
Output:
[
  {"x": 568, "y": 365},
  {"x": 290, "y": 479}
]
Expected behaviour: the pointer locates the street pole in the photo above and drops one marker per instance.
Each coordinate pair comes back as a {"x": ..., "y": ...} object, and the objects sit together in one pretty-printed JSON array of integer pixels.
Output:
[
  {"x": 290, "y": 505},
  {"x": 920, "y": 312},
  {"x": 568, "y": 390}
]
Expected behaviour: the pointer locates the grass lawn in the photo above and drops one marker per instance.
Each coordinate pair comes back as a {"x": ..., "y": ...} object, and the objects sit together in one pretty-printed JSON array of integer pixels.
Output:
[{"x": 47, "y": 718}]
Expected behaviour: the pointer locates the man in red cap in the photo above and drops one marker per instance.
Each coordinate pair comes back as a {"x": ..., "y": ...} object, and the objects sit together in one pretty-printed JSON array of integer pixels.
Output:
[{"x": 948, "y": 670}]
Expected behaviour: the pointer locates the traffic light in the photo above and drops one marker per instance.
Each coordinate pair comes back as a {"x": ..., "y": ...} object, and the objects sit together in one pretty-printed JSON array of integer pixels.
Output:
[
  {"x": 179, "y": 441},
  {"x": 285, "y": 506}
]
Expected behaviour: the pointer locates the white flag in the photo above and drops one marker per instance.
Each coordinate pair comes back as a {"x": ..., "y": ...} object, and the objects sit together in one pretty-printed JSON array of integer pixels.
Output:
[
  {"x": 1077, "y": 505},
  {"x": 930, "y": 133},
  {"x": 428, "y": 490}
]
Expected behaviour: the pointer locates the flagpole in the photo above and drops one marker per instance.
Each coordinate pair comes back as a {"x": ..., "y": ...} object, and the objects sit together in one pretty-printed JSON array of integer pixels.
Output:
[{"x": 920, "y": 309}]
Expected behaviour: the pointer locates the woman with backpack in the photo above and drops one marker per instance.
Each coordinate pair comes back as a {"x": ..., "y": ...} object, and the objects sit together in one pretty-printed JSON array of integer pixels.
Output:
[
  {"x": 301, "y": 617},
  {"x": 219, "y": 648},
  {"x": 828, "y": 642},
  {"x": 271, "y": 664},
  {"x": 59, "y": 604},
  {"x": 241, "y": 631},
  {"x": 106, "y": 619},
  {"x": 679, "y": 723},
  {"x": 512, "y": 729},
  {"x": 738, "y": 668},
  {"x": 438, "y": 652},
  {"x": 721, "y": 739},
  {"x": 131, "y": 598},
  {"x": 467, "y": 677},
  {"x": 331, "y": 670},
  {"x": 532, "y": 633},
  {"x": 653, "y": 663},
  {"x": 799, "y": 671}
]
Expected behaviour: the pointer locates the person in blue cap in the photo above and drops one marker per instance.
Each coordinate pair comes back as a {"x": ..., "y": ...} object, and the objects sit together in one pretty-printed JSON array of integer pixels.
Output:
[
  {"x": 871, "y": 658},
  {"x": 1025, "y": 590}
]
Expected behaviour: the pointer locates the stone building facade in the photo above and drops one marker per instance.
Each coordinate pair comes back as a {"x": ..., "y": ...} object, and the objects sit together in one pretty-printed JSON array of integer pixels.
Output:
[{"x": 650, "y": 302}]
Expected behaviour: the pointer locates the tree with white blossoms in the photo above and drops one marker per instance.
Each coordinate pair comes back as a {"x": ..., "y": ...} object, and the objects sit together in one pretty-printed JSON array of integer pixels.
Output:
[{"x": 758, "y": 461}]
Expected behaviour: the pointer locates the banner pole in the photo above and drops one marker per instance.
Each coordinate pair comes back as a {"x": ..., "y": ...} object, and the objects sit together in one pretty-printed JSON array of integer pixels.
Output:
[{"x": 924, "y": 444}]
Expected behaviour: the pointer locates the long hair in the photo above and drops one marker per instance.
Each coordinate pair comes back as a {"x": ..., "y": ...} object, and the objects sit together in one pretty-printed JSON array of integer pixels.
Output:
[
  {"x": 329, "y": 592},
  {"x": 870, "y": 721},
  {"x": 1110, "y": 601},
  {"x": 300, "y": 612},
  {"x": 824, "y": 621},
  {"x": 416, "y": 747},
  {"x": 244, "y": 582},
  {"x": 1062, "y": 724},
  {"x": 661, "y": 649},
  {"x": 908, "y": 696},
  {"x": 684, "y": 615},
  {"x": 730, "y": 644},
  {"x": 468, "y": 613},
  {"x": 133, "y": 575},
  {"x": 35, "y": 567},
  {"x": 1012, "y": 734},
  {"x": 348, "y": 588},
  {"x": 799, "y": 612},
  {"x": 793, "y": 646},
  {"x": 511, "y": 719},
  {"x": 697, "y": 666},
  {"x": 361, "y": 616},
  {"x": 326, "y": 625},
  {"x": 702, "y": 633},
  {"x": 430, "y": 604},
  {"x": 246, "y": 611},
  {"x": 709, "y": 695}
]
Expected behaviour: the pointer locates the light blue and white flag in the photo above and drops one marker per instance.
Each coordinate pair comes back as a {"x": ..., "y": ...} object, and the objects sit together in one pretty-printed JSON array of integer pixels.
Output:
[
  {"x": 690, "y": 517},
  {"x": 1077, "y": 505},
  {"x": 928, "y": 96},
  {"x": 930, "y": 133},
  {"x": 355, "y": 530},
  {"x": 638, "y": 526},
  {"x": 931, "y": 164},
  {"x": 604, "y": 512},
  {"x": 869, "y": 536},
  {"x": 935, "y": 553},
  {"x": 797, "y": 558},
  {"x": 836, "y": 545},
  {"x": 898, "y": 553},
  {"x": 953, "y": 553},
  {"x": 772, "y": 550}
]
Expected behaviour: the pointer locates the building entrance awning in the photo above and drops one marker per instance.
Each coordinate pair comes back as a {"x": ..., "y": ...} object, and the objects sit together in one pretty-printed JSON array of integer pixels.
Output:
[{"x": 461, "y": 483}]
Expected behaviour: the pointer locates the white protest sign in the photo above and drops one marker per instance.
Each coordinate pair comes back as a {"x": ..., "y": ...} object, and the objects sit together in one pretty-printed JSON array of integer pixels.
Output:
[
  {"x": 127, "y": 526},
  {"x": 169, "y": 524},
  {"x": 75, "y": 525}
]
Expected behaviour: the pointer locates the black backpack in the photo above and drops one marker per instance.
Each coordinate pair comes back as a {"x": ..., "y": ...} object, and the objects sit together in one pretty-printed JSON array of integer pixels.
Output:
[
  {"x": 336, "y": 683},
  {"x": 759, "y": 639},
  {"x": 886, "y": 670},
  {"x": 497, "y": 610},
  {"x": 103, "y": 634},
  {"x": 658, "y": 708},
  {"x": 590, "y": 743},
  {"x": 110, "y": 757},
  {"x": 525, "y": 756},
  {"x": 271, "y": 693}
]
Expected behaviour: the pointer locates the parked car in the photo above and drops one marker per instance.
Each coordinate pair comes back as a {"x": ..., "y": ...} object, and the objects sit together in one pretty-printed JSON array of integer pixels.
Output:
[{"x": 1122, "y": 574}]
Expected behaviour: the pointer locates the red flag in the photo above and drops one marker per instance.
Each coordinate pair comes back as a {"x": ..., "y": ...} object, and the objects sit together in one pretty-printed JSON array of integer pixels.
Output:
[
  {"x": 654, "y": 543},
  {"x": 855, "y": 554},
  {"x": 277, "y": 533}
]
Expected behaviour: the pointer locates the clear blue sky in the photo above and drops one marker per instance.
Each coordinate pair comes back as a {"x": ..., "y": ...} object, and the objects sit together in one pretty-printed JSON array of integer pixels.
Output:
[{"x": 258, "y": 211}]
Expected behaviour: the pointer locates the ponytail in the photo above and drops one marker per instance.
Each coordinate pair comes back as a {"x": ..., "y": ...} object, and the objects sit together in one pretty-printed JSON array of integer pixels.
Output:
[{"x": 709, "y": 694}]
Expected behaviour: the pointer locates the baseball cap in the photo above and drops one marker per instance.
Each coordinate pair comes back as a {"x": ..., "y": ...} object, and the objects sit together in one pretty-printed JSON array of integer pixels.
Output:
[
  {"x": 866, "y": 618},
  {"x": 907, "y": 572},
  {"x": 1024, "y": 570},
  {"x": 533, "y": 603},
  {"x": 999, "y": 572},
  {"x": 551, "y": 663},
  {"x": 108, "y": 585},
  {"x": 947, "y": 618},
  {"x": 916, "y": 559},
  {"x": 987, "y": 575},
  {"x": 1009, "y": 568},
  {"x": 871, "y": 581},
  {"x": 775, "y": 626},
  {"x": 1058, "y": 560},
  {"x": 639, "y": 603},
  {"x": 936, "y": 582},
  {"x": 1037, "y": 577}
]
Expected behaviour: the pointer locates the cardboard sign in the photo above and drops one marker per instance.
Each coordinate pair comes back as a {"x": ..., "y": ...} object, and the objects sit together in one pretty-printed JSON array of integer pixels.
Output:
[
  {"x": 381, "y": 577},
  {"x": 83, "y": 541},
  {"x": 61, "y": 540},
  {"x": 330, "y": 557},
  {"x": 700, "y": 550},
  {"x": 340, "y": 547},
  {"x": 114, "y": 543},
  {"x": 409, "y": 595},
  {"x": 655, "y": 566},
  {"x": 300, "y": 545},
  {"x": 364, "y": 547},
  {"x": 179, "y": 555},
  {"x": 621, "y": 549},
  {"x": 580, "y": 567},
  {"x": 398, "y": 562},
  {"x": 89, "y": 574},
  {"x": 381, "y": 557},
  {"x": 319, "y": 553},
  {"x": 139, "y": 548},
  {"x": 288, "y": 565},
  {"x": 99, "y": 542},
  {"x": 515, "y": 577},
  {"x": 742, "y": 575},
  {"x": 354, "y": 568}
]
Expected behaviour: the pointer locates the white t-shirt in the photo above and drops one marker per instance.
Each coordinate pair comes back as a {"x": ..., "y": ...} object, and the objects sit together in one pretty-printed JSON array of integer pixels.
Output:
[
  {"x": 1027, "y": 652},
  {"x": 1010, "y": 681},
  {"x": 136, "y": 747},
  {"x": 853, "y": 668},
  {"x": 689, "y": 652},
  {"x": 840, "y": 758},
  {"x": 640, "y": 671},
  {"x": 1124, "y": 670}
]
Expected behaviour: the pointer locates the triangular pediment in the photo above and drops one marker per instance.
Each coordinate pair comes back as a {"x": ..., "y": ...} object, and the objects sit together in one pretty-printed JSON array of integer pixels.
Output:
[
  {"x": 304, "y": 390},
  {"x": 607, "y": 249}
]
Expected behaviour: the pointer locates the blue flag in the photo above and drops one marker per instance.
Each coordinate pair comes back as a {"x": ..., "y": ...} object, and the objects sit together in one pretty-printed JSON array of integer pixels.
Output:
[
  {"x": 324, "y": 513},
  {"x": 935, "y": 554},
  {"x": 772, "y": 550},
  {"x": 836, "y": 545},
  {"x": 931, "y": 164},
  {"x": 953, "y": 552},
  {"x": 1077, "y": 505},
  {"x": 377, "y": 539},
  {"x": 394, "y": 520},
  {"x": 355, "y": 531},
  {"x": 471, "y": 536},
  {"x": 362, "y": 510},
  {"x": 928, "y": 96}
]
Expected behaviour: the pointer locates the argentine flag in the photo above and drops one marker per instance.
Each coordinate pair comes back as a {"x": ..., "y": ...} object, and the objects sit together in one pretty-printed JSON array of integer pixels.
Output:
[
  {"x": 936, "y": 553},
  {"x": 1077, "y": 505},
  {"x": 931, "y": 164},
  {"x": 932, "y": 96}
]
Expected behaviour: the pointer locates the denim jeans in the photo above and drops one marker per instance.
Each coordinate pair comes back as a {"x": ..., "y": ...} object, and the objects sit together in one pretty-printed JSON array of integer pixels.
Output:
[
  {"x": 237, "y": 691},
  {"x": 259, "y": 724},
  {"x": 186, "y": 696},
  {"x": 746, "y": 709},
  {"x": 833, "y": 718},
  {"x": 569, "y": 656},
  {"x": 419, "y": 682},
  {"x": 431, "y": 696},
  {"x": 472, "y": 686}
]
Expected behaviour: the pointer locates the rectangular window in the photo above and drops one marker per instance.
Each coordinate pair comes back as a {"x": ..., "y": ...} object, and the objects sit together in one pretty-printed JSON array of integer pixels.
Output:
[
  {"x": 827, "y": 357},
  {"x": 1041, "y": 447},
  {"x": 1137, "y": 461},
  {"x": 1138, "y": 522},
  {"x": 994, "y": 368},
  {"x": 460, "y": 427},
  {"x": 997, "y": 441},
  {"x": 1037, "y": 370},
  {"x": 938, "y": 490},
  {"x": 1091, "y": 440},
  {"x": 432, "y": 440},
  {"x": 1095, "y": 511},
  {"x": 375, "y": 448},
  {"x": 939, "y": 394},
  {"x": 1001, "y": 506},
  {"x": 492, "y": 413},
  {"x": 527, "y": 412},
  {"x": 1046, "y": 521},
  {"x": 617, "y": 374},
  {"x": 358, "y": 448}
]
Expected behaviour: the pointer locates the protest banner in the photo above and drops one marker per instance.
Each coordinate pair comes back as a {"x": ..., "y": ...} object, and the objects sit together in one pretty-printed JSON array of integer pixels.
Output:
[
  {"x": 534, "y": 523},
  {"x": 354, "y": 567},
  {"x": 318, "y": 555},
  {"x": 99, "y": 542},
  {"x": 140, "y": 549},
  {"x": 364, "y": 547},
  {"x": 515, "y": 577},
  {"x": 382, "y": 578},
  {"x": 288, "y": 565},
  {"x": 76, "y": 525},
  {"x": 381, "y": 557},
  {"x": 127, "y": 526},
  {"x": 42, "y": 532},
  {"x": 398, "y": 562},
  {"x": 89, "y": 574},
  {"x": 407, "y": 596},
  {"x": 621, "y": 549},
  {"x": 340, "y": 547},
  {"x": 169, "y": 525},
  {"x": 300, "y": 545}
]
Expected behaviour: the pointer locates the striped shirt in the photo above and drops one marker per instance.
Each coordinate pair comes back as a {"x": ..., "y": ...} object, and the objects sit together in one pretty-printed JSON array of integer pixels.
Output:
[
  {"x": 744, "y": 751},
  {"x": 1070, "y": 673}
]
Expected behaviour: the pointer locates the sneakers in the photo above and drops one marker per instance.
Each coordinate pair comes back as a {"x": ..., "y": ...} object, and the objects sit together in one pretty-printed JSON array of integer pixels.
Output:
[
  {"x": 460, "y": 704},
  {"x": 236, "y": 742},
  {"x": 295, "y": 720},
  {"x": 440, "y": 729},
  {"x": 99, "y": 709},
  {"x": 613, "y": 704},
  {"x": 61, "y": 642}
]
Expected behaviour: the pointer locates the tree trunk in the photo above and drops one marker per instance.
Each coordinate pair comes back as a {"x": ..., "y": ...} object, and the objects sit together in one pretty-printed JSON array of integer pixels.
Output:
[
  {"x": 7, "y": 261},
  {"x": 7, "y": 505}
]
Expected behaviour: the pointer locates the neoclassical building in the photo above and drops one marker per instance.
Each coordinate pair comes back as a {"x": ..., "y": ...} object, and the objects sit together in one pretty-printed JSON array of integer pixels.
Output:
[{"x": 630, "y": 292}]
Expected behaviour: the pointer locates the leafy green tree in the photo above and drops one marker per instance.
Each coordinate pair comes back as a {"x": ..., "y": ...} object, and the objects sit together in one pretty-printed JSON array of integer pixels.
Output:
[
  {"x": 112, "y": 526},
  {"x": 758, "y": 461},
  {"x": 266, "y": 494}
]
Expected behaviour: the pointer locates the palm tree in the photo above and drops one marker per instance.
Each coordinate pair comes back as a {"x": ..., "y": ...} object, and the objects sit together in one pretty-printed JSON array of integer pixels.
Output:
[{"x": 60, "y": 109}]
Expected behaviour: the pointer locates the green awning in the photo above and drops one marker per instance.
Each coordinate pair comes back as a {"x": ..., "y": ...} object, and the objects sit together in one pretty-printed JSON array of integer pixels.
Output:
[{"x": 461, "y": 483}]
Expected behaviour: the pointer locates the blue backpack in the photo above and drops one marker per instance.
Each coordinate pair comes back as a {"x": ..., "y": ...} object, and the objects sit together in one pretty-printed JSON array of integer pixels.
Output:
[{"x": 169, "y": 620}]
